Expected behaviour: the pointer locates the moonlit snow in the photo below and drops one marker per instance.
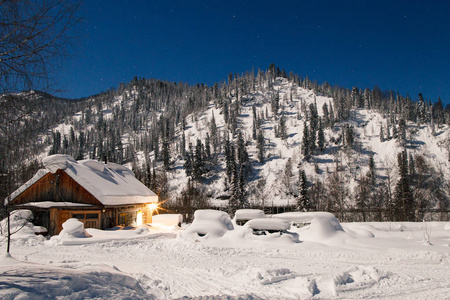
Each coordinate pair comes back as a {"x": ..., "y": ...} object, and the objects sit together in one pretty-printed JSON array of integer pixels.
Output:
[{"x": 216, "y": 258}]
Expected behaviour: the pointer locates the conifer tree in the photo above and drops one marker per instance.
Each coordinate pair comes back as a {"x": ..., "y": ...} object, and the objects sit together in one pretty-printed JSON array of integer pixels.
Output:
[
  {"x": 363, "y": 191},
  {"x": 230, "y": 161},
  {"x": 371, "y": 173},
  {"x": 166, "y": 154},
  {"x": 214, "y": 133},
  {"x": 198, "y": 163},
  {"x": 275, "y": 103},
  {"x": 303, "y": 202},
  {"x": 305, "y": 143},
  {"x": 188, "y": 163},
  {"x": 404, "y": 202},
  {"x": 320, "y": 137},
  {"x": 401, "y": 135},
  {"x": 282, "y": 126},
  {"x": 208, "y": 147},
  {"x": 183, "y": 145},
  {"x": 260, "y": 146},
  {"x": 326, "y": 115},
  {"x": 382, "y": 138}
]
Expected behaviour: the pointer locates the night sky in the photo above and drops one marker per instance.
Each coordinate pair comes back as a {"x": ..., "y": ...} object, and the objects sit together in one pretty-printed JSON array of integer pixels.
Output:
[{"x": 398, "y": 45}]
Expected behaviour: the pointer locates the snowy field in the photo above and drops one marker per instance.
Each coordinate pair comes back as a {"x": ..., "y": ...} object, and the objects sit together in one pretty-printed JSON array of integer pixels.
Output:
[{"x": 216, "y": 259}]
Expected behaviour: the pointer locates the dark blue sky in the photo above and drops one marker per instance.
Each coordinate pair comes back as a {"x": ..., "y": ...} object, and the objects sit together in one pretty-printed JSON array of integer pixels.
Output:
[{"x": 399, "y": 45}]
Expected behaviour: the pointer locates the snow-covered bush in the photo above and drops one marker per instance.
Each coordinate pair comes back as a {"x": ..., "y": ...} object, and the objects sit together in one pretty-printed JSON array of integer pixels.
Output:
[{"x": 20, "y": 225}]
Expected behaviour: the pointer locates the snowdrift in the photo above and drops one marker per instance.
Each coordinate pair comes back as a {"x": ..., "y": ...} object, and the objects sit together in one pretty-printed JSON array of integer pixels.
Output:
[{"x": 20, "y": 226}]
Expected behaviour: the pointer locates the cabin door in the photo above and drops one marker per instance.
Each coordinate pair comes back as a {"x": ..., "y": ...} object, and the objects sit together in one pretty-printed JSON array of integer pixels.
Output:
[{"x": 63, "y": 216}]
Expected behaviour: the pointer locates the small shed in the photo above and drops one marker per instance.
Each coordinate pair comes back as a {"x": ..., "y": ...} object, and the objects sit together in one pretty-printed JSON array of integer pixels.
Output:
[{"x": 99, "y": 195}]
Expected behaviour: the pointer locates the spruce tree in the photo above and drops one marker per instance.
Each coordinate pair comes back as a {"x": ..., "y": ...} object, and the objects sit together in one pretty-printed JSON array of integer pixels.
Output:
[
  {"x": 282, "y": 126},
  {"x": 230, "y": 161},
  {"x": 198, "y": 164},
  {"x": 305, "y": 143},
  {"x": 320, "y": 137},
  {"x": 166, "y": 154},
  {"x": 382, "y": 138},
  {"x": 260, "y": 146},
  {"x": 188, "y": 164},
  {"x": 404, "y": 201},
  {"x": 326, "y": 115},
  {"x": 303, "y": 202},
  {"x": 275, "y": 103}
]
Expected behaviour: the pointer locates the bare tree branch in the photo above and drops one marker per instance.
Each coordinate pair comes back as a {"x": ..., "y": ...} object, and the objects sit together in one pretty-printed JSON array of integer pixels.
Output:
[{"x": 34, "y": 35}]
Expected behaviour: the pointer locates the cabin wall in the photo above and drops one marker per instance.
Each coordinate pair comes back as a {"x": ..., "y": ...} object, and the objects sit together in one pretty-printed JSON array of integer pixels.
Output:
[
  {"x": 128, "y": 215},
  {"x": 58, "y": 187},
  {"x": 53, "y": 218}
]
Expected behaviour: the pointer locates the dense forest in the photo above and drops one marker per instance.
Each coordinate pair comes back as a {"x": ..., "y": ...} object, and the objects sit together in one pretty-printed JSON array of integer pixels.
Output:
[{"x": 156, "y": 128}]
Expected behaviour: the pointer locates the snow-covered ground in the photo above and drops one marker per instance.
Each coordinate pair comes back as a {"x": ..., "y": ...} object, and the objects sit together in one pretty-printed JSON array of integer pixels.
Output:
[{"x": 329, "y": 260}]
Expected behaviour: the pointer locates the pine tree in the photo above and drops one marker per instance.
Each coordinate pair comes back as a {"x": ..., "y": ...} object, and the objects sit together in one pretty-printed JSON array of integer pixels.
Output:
[
  {"x": 305, "y": 143},
  {"x": 349, "y": 135},
  {"x": 371, "y": 173},
  {"x": 260, "y": 146},
  {"x": 198, "y": 163},
  {"x": 275, "y": 103},
  {"x": 188, "y": 166},
  {"x": 166, "y": 154},
  {"x": 214, "y": 134},
  {"x": 242, "y": 150},
  {"x": 148, "y": 173},
  {"x": 282, "y": 126},
  {"x": 363, "y": 195},
  {"x": 401, "y": 135},
  {"x": 404, "y": 202},
  {"x": 208, "y": 147},
  {"x": 303, "y": 202},
  {"x": 320, "y": 137},
  {"x": 230, "y": 161},
  {"x": 312, "y": 140},
  {"x": 382, "y": 138},
  {"x": 326, "y": 115},
  {"x": 183, "y": 145}
]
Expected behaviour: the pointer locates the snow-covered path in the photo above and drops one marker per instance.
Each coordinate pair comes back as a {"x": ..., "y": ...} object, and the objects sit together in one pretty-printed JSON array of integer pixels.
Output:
[{"x": 170, "y": 267}]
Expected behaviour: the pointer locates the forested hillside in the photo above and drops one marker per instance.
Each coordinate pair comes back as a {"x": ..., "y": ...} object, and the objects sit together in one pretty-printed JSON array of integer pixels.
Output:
[{"x": 261, "y": 139}]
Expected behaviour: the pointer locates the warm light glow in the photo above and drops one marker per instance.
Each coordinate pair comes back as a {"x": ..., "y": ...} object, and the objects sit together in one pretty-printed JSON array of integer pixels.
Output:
[
  {"x": 153, "y": 206},
  {"x": 139, "y": 217}
]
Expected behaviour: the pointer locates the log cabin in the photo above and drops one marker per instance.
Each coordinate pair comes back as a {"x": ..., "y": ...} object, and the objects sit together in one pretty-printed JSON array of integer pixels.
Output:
[{"x": 99, "y": 195}]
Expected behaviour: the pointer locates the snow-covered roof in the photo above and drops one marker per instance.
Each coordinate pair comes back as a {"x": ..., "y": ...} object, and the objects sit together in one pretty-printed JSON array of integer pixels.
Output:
[
  {"x": 49, "y": 204},
  {"x": 111, "y": 184}
]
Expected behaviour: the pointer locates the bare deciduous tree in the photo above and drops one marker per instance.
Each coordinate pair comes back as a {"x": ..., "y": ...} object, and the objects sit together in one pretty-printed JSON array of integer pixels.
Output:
[{"x": 34, "y": 37}]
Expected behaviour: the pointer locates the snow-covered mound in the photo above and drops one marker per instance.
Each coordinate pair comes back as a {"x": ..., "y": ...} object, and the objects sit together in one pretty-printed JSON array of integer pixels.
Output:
[
  {"x": 268, "y": 224},
  {"x": 43, "y": 281},
  {"x": 20, "y": 225},
  {"x": 208, "y": 223},
  {"x": 73, "y": 229},
  {"x": 248, "y": 214},
  {"x": 323, "y": 225}
]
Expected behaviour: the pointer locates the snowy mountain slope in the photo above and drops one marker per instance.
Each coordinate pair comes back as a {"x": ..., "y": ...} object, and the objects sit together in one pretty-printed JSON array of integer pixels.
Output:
[
  {"x": 142, "y": 124},
  {"x": 355, "y": 161}
]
